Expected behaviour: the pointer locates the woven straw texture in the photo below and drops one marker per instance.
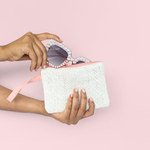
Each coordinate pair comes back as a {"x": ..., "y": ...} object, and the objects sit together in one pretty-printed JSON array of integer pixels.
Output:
[{"x": 58, "y": 84}]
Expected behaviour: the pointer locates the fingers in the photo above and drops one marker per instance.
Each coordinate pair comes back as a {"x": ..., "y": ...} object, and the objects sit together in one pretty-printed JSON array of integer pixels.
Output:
[
  {"x": 40, "y": 51},
  {"x": 75, "y": 105},
  {"x": 34, "y": 53},
  {"x": 45, "y": 36},
  {"x": 91, "y": 109},
  {"x": 37, "y": 50},
  {"x": 43, "y": 50},
  {"x": 40, "y": 37},
  {"x": 73, "y": 113},
  {"x": 71, "y": 107},
  {"x": 33, "y": 58},
  {"x": 82, "y": 107},
  {"x": 68, "y": 108},
  {"x": 39, "y": 54}
]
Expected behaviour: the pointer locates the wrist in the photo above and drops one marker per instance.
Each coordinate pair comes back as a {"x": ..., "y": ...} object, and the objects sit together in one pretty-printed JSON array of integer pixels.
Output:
[
  {"x": 3, "y": 53},
  {"x": 42, "y": 110}
]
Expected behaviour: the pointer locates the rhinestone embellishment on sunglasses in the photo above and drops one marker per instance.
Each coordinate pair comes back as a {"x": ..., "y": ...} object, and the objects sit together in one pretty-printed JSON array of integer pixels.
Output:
[{"x": 59, "y": 55}]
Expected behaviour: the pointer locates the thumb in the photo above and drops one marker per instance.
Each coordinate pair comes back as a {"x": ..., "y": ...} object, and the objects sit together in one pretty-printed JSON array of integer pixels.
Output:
[
  {"x": 45, "y": 36},
  {"x": 24, "y": 57}
]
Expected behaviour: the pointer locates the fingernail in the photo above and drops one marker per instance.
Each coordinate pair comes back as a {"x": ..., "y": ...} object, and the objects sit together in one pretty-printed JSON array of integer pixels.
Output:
[
  {"x": 71, "y": 95},
  {"x": 83, "y": 90},
  {"x": 61, "y": 40},
  {"x": 91, "y": 99},
  {"x": 76, "y": 89}
]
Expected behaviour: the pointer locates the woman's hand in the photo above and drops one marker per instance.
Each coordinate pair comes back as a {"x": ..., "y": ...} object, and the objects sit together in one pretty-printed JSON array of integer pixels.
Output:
[
  {"x": 71, "y": 115},
  {"x": 29, "y": 47},
  {"x": 73, "y": 112}
]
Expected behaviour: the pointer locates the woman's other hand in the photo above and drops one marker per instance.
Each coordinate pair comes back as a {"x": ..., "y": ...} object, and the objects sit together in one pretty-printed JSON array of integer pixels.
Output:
[
  {"x": 73, "y": 111},
  {"x": 29, "y": 47}
]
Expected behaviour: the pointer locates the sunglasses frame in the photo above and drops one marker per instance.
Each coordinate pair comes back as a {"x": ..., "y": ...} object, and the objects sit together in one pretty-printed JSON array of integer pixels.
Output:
[{"x": 68, "y": 59}]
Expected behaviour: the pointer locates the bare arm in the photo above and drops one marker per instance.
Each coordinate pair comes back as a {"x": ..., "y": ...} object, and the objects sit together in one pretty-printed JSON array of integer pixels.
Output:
[
  {"x": 21, "y": 103},
  {"x": 22, "y": 49},
  {"x": 26, "y": 104}
]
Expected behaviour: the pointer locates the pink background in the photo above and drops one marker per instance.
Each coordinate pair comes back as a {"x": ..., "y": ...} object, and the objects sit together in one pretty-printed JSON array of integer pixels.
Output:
[{"x": 116, "y": 32}]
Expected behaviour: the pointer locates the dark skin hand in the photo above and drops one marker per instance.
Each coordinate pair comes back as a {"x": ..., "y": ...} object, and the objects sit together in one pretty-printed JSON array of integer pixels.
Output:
[
  {"x": 30, "y": 47},
  {"x": 71, "y": 115}
]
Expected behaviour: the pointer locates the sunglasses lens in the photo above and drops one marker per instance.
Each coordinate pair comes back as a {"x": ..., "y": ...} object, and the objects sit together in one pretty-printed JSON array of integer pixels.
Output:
[
  {"x": 56, "y": 55},
  {"x": 79, "y": 62}
]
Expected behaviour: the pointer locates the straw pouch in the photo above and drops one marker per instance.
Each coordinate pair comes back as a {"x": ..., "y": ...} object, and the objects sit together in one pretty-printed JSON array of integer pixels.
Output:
[{"x": 58, "y": 84}]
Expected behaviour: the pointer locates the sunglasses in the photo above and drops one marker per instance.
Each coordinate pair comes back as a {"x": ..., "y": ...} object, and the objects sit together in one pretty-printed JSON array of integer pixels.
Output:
[{"x": 59, "y": 55}]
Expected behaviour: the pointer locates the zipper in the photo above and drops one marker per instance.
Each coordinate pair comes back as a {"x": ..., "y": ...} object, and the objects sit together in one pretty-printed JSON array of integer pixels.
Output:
[{"x": 77, "y": 65}]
